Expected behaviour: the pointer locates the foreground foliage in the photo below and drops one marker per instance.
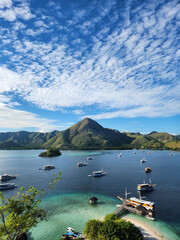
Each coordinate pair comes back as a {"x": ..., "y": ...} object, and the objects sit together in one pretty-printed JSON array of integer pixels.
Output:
[
  {"x": 22, "y": 212},
  {"x": 112, "y": 228}
]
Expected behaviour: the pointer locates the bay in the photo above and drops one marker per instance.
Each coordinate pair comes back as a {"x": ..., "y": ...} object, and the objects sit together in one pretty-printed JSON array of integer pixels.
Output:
[{"x": 67, "y": 204}]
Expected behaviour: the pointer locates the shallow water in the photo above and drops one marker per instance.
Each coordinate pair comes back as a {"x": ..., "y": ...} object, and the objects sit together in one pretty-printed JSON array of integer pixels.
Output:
[{"x": 67, "y": 204}]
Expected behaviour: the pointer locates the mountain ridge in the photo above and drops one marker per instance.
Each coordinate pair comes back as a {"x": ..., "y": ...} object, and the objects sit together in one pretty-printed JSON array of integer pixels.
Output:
[{"x": 87, "y": 134}]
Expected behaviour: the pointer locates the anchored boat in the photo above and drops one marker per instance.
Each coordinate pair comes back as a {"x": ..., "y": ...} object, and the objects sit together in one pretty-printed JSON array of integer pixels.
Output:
[
  {"x": 143, "y": 160},
  {"x": 82, "y": 164},
  {"x": 98, "y": 173},
  {"x": 148, "y": 169},
  {"x": 145, "y": 186},
  {"x": 136, "y": 205},
  {"x": 5, "y": 186},
  {"x": 48, "y": 167},
  {"x": 6, "y": 177}
]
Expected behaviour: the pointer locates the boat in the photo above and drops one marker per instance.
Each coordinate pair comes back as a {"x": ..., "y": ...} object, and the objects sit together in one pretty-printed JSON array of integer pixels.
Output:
[
  {"x": 120, "y": 154},
  {"x": 143, "y": 160},
  {"x": 5, "y": 186},
  {"x": 82, "y": 164},
  {"x": 6, "y": 177},
  {"x": 149, "y": 153},
  {"x": 48, "y": 167},
  {"x": 145, "y": 186},
  {"x": 98, "y": 173},
  {"x": 90, "y": 158},
  {"x": 72, "y": 233},
  {"x": 135, "y": 202},
  {"x": 148, "y": 169}
]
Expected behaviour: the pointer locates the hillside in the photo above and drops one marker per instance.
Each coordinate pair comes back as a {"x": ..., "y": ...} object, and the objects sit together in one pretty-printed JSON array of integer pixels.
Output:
[{"x": 88, "y": 134}]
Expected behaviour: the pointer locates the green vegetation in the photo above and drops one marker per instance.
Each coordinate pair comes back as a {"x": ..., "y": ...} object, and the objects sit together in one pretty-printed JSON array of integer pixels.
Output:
[
  {"x": 50, "y": 153},
  {"x": 112, "y": 228},
  {"x": 88, "y": 135},
  {"x": 22, "y": 212}
]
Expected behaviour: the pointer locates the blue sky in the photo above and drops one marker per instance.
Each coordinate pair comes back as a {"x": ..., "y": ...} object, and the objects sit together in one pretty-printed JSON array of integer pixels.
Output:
[{"x": 114, "y": 61}]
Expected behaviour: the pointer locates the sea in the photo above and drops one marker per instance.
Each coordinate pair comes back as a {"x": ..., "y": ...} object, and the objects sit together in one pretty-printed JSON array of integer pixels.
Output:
[{"x": 67, "y": 204}]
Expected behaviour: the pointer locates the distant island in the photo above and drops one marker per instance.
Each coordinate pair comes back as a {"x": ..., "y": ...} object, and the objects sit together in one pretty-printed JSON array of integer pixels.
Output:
[
  {"x": 88, "y": 135},
  {"x": 50, "y": 153}
]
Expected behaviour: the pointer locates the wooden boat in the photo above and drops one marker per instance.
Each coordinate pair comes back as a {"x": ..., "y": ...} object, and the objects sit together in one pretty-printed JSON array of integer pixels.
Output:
[
  {"x": 148, "y": 169},
  {"x": 146, "y": 186},
  {"x": 82, "y": 164},
  {"x": 5, "y": 186},
  {"x": 6, "y": 177},
  {"x": 48, "y": 167}
]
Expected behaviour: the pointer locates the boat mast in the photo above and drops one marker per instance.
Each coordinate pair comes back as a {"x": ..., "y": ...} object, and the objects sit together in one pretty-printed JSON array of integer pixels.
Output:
[{"x": 126, "y": 193}]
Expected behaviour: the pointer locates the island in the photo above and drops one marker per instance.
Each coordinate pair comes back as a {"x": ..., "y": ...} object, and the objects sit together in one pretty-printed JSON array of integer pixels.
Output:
[{"x": 53, "y": 152}]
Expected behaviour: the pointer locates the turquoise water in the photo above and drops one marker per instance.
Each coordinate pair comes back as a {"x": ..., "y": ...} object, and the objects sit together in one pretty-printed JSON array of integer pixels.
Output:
[
  {"x": 72, "y": 210},
  {"x": 68, "y": 203}
]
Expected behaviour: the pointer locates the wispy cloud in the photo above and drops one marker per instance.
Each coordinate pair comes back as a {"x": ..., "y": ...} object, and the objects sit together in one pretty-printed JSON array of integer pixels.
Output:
[{"x": 120, "y": 59}]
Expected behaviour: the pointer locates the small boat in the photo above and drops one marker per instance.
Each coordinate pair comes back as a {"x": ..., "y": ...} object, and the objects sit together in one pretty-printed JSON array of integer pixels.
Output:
[
  {"x": 120, "y": 154},
  {"x": 5, "y": 186},
  {"x": 143, "y": 160},
  {"x": 90, "y": 158},
  {"x": 148, "y": 169},
  {"x": 82, "y": 164},
  {"x": 70, "y": 232},
  {"x": 6, "y": 177},
  {"x": 149, "y": 153},
  {"x": 98, "y": 173},
  {"x": 48, "y": 167},
  {"x": 145, "y": 186},
  {"x": 134, "y": 152}
]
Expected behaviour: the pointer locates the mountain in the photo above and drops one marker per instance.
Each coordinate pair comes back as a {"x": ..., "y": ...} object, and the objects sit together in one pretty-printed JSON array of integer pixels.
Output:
[{"x": 88, "y": 134}]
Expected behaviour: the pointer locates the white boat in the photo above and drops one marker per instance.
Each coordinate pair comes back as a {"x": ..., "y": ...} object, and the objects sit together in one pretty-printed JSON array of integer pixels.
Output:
[
  {"x": 5, "y": 186},
  {"x": 98, "y": 173},
  {"x": 82, "y": 164},
  {"x": 48, "y": 167},
  {"x": 143, "y": 160},
  {"x": 6, "y": 177},
  {"x": 120, "y": 154}
]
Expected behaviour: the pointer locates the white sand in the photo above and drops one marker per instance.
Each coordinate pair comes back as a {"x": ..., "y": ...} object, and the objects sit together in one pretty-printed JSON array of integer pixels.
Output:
[{"x": 149, "y": 233}]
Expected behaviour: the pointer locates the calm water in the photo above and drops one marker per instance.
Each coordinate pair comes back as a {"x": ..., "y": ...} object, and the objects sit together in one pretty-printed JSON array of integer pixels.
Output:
[{"x": 67, "y": 204}]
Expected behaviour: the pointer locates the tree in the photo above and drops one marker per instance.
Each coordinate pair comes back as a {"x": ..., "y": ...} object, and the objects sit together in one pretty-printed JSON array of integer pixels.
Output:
[
  {"x": 92, "y": 228},
  {"x": 112, "y": 228},
  {"x": 22, "y": 212}
]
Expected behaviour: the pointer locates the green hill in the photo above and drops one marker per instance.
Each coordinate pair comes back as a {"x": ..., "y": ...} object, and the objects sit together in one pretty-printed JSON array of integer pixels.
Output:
[
  {"x": 163, "y": 137},
  {"x": 88, "y": 134}
]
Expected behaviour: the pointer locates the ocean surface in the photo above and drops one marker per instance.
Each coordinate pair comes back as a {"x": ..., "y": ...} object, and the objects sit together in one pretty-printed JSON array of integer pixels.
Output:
[{"x": 67, "y": 204}]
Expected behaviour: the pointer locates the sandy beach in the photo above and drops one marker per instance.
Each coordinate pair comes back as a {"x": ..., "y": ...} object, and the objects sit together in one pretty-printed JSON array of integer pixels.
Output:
[{"x": 149, "y": 233}]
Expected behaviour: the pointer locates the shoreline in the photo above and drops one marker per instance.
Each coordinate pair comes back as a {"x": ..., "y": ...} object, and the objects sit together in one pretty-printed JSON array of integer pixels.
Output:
[{"x": 148, "y": 232}]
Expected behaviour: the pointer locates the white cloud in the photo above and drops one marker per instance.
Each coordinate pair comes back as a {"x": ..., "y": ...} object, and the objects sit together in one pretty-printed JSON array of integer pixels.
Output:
[
  {"x": 124, "y": 70},
  {"x": 13, "y": 12},
  {"x": 5, "y": 3},
  {"x": 12, "y": 118}
]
